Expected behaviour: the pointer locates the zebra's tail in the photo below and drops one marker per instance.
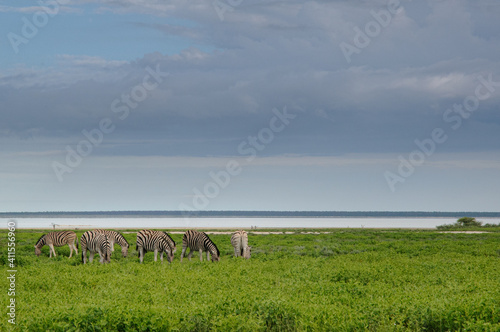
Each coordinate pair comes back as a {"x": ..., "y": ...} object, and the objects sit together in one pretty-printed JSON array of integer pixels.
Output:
[{"x": 77, "y": 243}]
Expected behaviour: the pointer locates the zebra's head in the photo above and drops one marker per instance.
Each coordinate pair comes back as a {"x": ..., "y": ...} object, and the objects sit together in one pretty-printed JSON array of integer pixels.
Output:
[
  {"x": 170, "y": 255},
  {"x": 247, "y": 252},
  {"x": 124, "y": 251},
  {"x": 215, "y": 255},
  {"x": 38, "y": 251},
  {"x": 107, "y": 257},
  {"x": 39, "y": 244}
]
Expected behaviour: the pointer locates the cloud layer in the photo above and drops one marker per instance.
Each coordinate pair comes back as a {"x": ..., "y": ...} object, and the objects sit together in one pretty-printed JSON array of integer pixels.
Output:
[{"x": 223, "y": 70}]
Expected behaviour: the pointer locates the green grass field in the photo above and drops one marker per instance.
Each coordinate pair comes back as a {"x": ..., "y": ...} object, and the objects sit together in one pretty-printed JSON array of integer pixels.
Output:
[{"x": 348, "y": 280}]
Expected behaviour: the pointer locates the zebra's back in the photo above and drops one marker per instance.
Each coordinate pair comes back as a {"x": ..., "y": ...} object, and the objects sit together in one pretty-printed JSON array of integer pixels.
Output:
[
  {"x": 115, "y": 237},
  {"x": 58, "y": 239}
]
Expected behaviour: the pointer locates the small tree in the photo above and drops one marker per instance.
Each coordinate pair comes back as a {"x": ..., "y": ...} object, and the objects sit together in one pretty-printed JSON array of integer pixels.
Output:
[{"x": 468, "y": 222}]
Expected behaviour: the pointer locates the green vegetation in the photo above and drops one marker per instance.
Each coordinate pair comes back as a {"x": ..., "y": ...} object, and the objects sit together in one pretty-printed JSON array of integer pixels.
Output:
[
  {"x": 466, "y": 222},
  {"x": 346, "y": 280}
]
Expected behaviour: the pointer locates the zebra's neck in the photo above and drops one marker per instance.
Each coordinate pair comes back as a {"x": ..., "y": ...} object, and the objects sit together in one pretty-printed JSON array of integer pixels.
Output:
[
  {"x": 120, "y": 240},
  {"x": 213, "y": 250},
  {"x": 41, "y": 242}
]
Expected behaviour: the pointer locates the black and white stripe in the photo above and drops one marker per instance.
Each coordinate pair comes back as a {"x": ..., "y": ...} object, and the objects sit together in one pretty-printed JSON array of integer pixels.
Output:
[
  {"x": 57, "y": 239},
  {"x": 170, "y": 242},
  {"x": 115, "y": 237},
  {"x": 239, "y": 240},
  {"x": 199, "y": 241},
  {"x": 95, "y": 242},
  {"x": 156, "y": 241}
]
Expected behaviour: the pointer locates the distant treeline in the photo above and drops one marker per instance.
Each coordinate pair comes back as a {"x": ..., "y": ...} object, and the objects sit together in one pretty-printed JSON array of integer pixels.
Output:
[{"x": 249, "y": 214}]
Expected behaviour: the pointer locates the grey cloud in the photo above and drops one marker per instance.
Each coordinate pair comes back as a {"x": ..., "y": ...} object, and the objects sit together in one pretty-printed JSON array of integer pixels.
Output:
[{"x": 270, "y": 56}]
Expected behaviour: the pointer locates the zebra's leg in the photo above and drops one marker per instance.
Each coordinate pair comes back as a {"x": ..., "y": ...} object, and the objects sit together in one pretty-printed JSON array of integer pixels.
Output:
[
  {"x": 208, "y": 256},
  {"x": 183, "y": 252},
  {"x": 141, "y": 254},
  {"x": 161, "y": 257},
  {"x": 84, "y": 256},
  {"x": 190, "y": 253},
  {"x": 246, "y": 253},
  {"x": 91, "y": 256},
  {"x": 52, "y": 250},
  {"x": 112, "y": 244},
  {"x": 70, "y": 250},
  {"x": 76, "y": 249},
  {"x": 201, "y": 255},
  {"x": 156, "y": 254}
]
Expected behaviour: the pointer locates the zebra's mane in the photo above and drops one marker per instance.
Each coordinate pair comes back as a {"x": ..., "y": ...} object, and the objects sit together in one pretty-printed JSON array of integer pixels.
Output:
[
  {"x": 169, "y": 237},
  {"x": 40, "y": 239},
  {"x": 122, "y": 238}
]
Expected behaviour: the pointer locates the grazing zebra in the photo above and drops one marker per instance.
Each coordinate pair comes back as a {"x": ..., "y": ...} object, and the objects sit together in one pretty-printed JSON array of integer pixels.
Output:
[
  {"x": 239, "y": 240},
  {"x": 115, "y": 237},
  {"x": 95, "y": 242},
  {"x": 199, "y": 241},
  {"x": 156, "y": 241},
  {"x": 57, "y": 239}
]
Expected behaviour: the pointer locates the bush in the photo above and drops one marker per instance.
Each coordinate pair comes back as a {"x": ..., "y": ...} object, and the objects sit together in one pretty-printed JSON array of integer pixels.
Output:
[
  {"x": 468, "y": 222},
  {"x": 462, "y": 222}
]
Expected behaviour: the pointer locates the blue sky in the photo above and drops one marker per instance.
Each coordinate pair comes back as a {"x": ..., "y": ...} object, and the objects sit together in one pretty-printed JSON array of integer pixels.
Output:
[
  {"x": 81, "y": 31},
  {"x": 297, "y": 105}
]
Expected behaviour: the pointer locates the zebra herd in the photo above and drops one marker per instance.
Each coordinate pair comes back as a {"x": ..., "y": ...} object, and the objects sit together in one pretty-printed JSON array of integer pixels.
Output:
[{"x": 102, "y": 242}]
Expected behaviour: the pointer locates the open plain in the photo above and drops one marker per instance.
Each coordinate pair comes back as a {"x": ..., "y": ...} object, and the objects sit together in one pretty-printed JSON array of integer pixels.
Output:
[{"x": 296, "y": 280}]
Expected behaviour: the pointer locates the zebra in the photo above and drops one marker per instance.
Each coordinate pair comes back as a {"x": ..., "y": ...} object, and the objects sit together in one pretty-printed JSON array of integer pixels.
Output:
[
  {"x": 115, "y": 237},
  {"x": 239, "y": 240},
  {"x": 95, "y": 242},
  {"x": 57, "y": 239},
  {"x": 156, "y": 241},
  {"x": 199, "y": 241}
]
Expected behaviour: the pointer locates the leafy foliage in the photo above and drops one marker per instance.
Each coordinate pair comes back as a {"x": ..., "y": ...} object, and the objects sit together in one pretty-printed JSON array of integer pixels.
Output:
[{"x": 468, "y": 222}]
